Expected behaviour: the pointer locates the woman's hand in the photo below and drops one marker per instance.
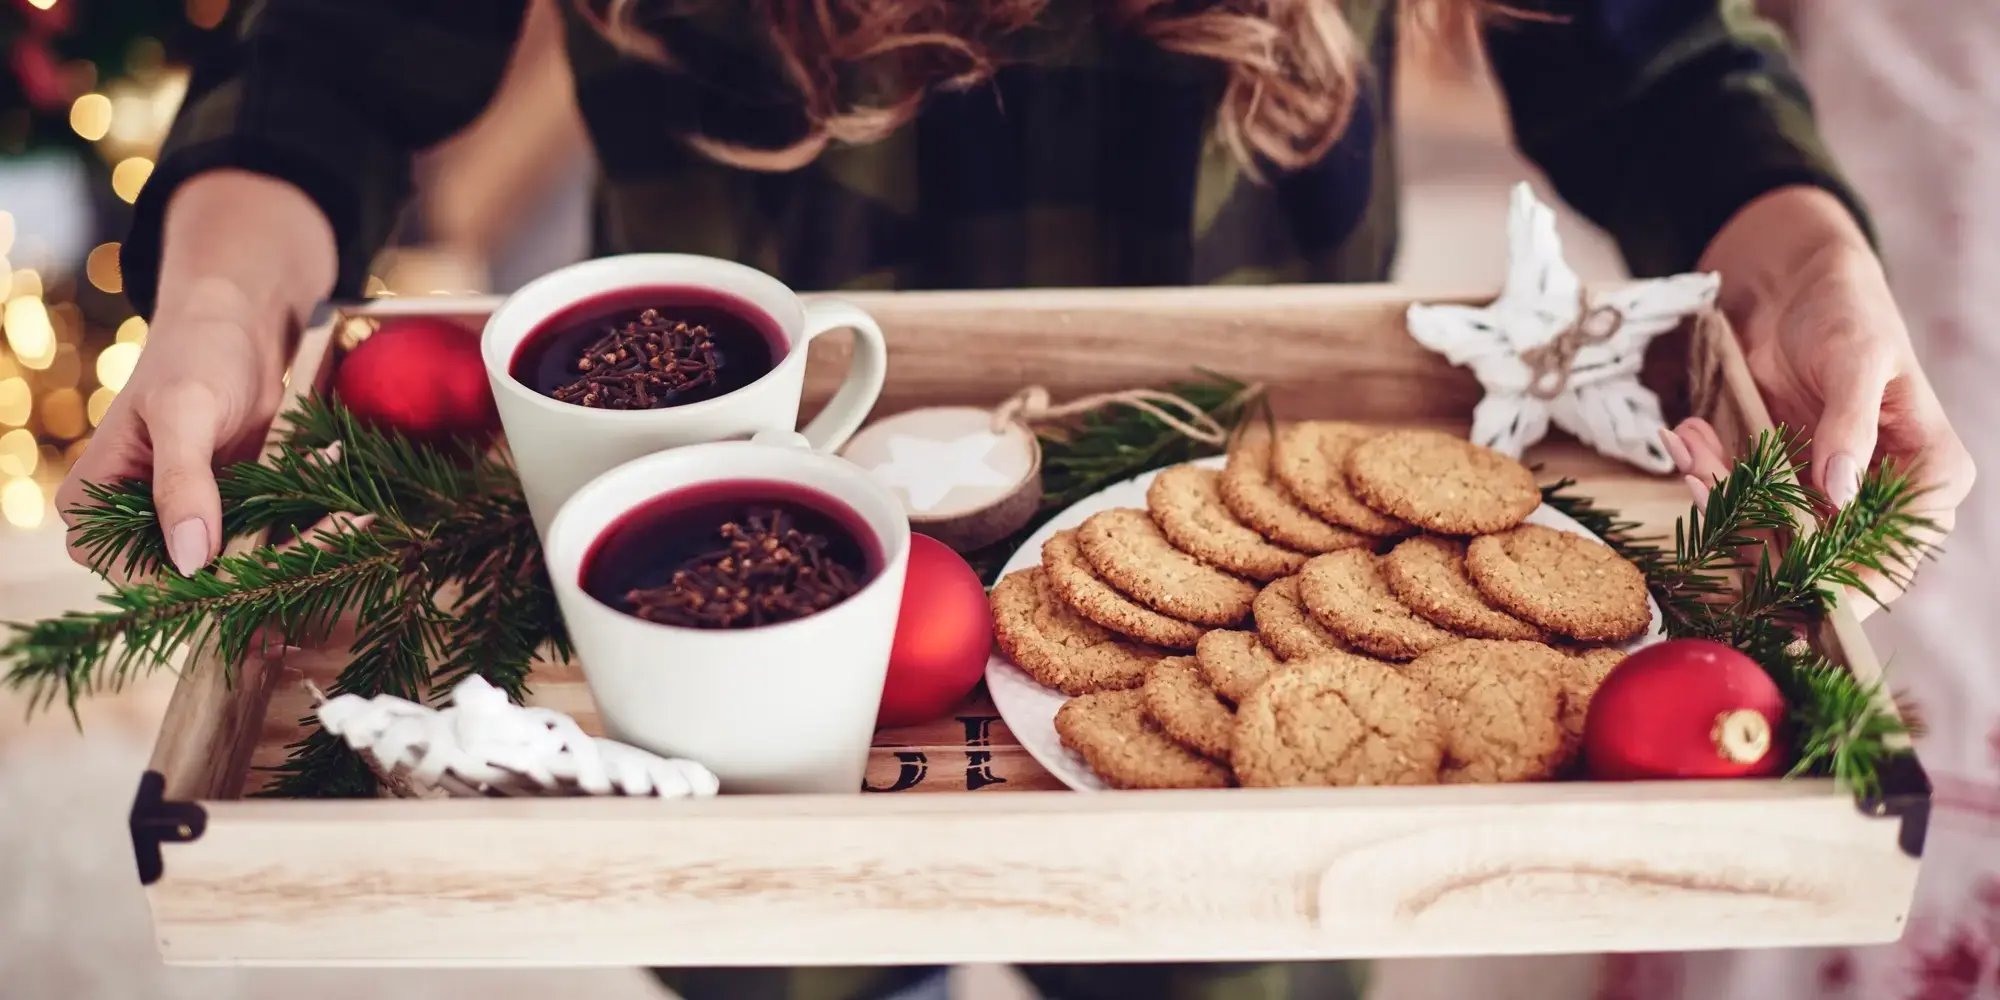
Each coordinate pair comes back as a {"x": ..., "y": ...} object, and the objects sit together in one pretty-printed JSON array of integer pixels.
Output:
[
  {"x": 203, "y": 394},
  {"x": 1828, "y": 349},
  {"x": 244, "y": 258}
]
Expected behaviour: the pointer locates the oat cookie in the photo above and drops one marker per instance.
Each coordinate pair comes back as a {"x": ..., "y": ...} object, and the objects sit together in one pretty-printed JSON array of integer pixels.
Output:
[
  {"x": 1427, "y": 573},
  {"x": 1579, "y": 679},
  {"x": 1342, "y": 721},
  {"x": 1498, "y": 703},
  {"x": 1260, "y": 501},
  {"x": 1310, "y": 458},
  {"x": 1110, "y": 731},
  {"x": 1058, "y": 648},
  {"x": 1345, "y": 592},
  {"x": 1186, "y": 502},
  {"x": 1234, "y": 663},
  {"x": 1187, "y": 709},
  {"x": 1285, "y": 625},
  {"x": 1563, "y": 582},
  {"x": 1073, "y": 580},
  {"x": 1128, "y": 551},
  {"x": 1442, "y": 483}
]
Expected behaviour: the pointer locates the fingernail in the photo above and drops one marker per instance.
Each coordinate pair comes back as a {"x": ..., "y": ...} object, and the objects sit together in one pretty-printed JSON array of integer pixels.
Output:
[
  {"x": 1698, "y": 488},
  {"x": 1843, "y": 480},
  {"x": 187, "y": 546},
  {"x": 1677, "y": 450}
]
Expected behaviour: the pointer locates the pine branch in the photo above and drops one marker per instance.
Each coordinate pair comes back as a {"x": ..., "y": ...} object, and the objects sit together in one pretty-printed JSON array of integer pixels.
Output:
[{"x": 1842, "y": 729}]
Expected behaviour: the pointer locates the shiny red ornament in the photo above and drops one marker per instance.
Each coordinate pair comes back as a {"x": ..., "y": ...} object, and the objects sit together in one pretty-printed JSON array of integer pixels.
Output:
[
  {"x": 422, "y": 377},
  {"x": 943, "y": 637},
  {"x": 1686, "y": 708}
]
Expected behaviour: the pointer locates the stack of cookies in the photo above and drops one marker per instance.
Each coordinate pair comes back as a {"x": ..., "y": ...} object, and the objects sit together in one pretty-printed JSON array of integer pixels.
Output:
[{"x": 1342, "y": 605}]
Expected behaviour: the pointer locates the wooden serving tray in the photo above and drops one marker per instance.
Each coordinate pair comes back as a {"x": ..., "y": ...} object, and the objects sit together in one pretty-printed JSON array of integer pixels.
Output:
[{"x": 1010, "y": 867}]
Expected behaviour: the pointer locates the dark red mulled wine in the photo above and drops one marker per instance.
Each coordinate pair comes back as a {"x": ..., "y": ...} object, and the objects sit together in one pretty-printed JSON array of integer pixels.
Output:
[
  {"x": 646, "y": 348},
  {"x": 732, "y": 554}
]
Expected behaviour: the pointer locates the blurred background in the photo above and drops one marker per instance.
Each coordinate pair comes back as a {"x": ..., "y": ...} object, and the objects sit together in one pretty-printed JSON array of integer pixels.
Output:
[{"x": 88, "y": 89}]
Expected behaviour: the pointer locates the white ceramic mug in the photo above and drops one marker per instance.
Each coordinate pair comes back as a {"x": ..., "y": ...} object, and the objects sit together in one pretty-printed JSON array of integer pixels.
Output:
[
  {"x": 560, "y": 446},
  {"x": 788, "y": 707}
]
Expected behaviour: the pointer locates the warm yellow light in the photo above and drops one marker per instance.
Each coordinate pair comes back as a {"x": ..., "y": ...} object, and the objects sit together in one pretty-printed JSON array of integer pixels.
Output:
[
  {"x": 29, "y": 332},
  {"x": 6, "y": 233},
  {"x": 62, "y": 414},
  {"x": 90, "y": 116},
  {"x": 101, "y": 267},
  {"x": 132, "y": 331},
  {"x": 100, "y": 401},
  {"x": 17, "y": 453},
  {"x": 6, "y": 279},
  {"x": 114, "y": 365},
  {"x": 21, "y": 503},
  {"x": 16, "y": 402},
  {"x": 74, "y": 452},
  {"x": 129, "y": 176},
  {"x": 206, "y": 14},
  {"x": 41, "y": 4},
  {"x": 375, "y": 287},
  {"x": 27, "y": 281}
]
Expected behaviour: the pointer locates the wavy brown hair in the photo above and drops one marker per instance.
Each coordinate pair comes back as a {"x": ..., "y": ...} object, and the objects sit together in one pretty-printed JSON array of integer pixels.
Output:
[{"x": 1292, "y": 65}]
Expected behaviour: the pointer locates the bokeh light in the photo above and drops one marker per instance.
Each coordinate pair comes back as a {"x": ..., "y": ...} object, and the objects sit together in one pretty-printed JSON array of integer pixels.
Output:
[
  {"x": 101, "y": 267},
  {"x": 90, "y": 116},
  {"x": 99, "y": 402},
  {"x": 129, "y": 176},
  {"x": 114, "y": 365},
  {"x": 206, "y": 14},
  {"x": 17, "y": 403},
  {"x": 17, "y": 453},
  {"x": 27, "y": 281},
  {"x": 21, "y": 502},
  {"x": 6, "y": 233},
  {"x": 132, "y": 331},
  {"x": 29, "y": 331},
  {"x": 62, "y": 414}
]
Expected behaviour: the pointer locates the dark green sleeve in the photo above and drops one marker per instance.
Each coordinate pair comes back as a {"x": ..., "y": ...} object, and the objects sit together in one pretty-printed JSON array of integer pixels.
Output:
[
  {"x": 1658, "y": 119},
  {"x": 336, "y": 97}
]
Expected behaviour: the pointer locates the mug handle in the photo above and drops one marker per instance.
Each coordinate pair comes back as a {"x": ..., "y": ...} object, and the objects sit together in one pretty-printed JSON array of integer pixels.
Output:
[{"x": 865, "y": 373}]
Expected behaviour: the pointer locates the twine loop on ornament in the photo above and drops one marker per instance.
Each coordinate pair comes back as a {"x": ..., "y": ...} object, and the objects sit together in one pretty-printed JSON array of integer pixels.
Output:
[
  {"x": 1549, "y": 363},
  {"x": 1033, "y": 405}
]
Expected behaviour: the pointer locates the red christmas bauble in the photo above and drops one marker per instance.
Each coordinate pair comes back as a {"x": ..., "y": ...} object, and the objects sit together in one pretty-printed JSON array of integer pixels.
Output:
[
  {"x": 1687, "y": 708},
  {"x": 943, "y": 637},
  {"x": 420, "y": 376}
]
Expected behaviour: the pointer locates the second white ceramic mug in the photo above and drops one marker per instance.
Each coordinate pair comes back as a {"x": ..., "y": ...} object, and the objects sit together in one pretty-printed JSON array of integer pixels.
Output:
[
  {"x": 788, "y": 707},
  {"x": 558, "y": 446}
]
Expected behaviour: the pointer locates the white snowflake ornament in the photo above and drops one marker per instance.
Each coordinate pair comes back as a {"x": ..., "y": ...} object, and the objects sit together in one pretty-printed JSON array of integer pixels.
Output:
[
  {"x": 485, "y": 745},
  {"x": 1547, "y": 350}
]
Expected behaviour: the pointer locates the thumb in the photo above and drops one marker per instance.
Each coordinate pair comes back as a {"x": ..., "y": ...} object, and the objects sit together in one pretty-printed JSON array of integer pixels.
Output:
[
  {"x": 1843, "y": 441},
  {"x": 184, "y": 492}
]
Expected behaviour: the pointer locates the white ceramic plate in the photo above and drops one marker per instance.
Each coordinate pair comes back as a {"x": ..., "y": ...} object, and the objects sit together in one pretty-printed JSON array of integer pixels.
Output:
[{"x": 1029, "y": 709}]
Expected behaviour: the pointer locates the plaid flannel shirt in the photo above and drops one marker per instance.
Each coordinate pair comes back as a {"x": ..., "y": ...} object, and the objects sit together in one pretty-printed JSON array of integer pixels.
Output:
[{"x": 1089, "y": 160}]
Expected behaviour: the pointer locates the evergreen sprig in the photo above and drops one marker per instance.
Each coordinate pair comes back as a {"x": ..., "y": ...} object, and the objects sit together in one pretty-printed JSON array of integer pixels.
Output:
[
  {"x": 429, "y": 549},
  {"x": 1760, "y": 563}
]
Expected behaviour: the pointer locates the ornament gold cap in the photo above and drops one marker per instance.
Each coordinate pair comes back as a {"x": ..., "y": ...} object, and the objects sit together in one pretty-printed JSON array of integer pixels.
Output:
[{"x": 1742, "y": 736}]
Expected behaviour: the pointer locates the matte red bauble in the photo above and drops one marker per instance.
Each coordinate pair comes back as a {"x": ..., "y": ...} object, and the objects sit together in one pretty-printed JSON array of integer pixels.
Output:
[
  {"x": 943, "y": 637},
  {"x": 420, "y": 376},
  {"x": 1687, "y": 708}
]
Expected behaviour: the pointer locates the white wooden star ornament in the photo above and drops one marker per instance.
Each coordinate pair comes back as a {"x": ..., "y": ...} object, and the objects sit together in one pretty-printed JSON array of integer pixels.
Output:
[
  {"x": 1548, "y": 350},
  {"x": 483, "y": 745}
]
